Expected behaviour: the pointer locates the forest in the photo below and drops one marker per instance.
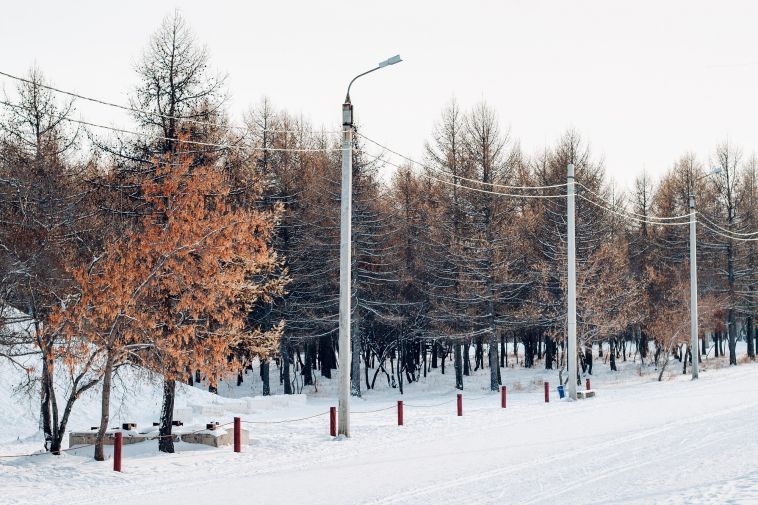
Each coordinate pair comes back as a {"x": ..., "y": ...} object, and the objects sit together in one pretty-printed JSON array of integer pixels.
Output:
[{"x": 195, "y": 247}]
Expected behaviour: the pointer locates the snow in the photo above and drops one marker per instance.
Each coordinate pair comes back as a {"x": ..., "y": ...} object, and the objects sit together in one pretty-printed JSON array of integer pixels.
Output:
[{"x": 639, "y": 441}]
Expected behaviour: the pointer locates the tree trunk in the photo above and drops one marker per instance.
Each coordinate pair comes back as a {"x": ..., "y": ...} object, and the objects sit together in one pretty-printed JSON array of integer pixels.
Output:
[
  {"x": 355, "y": 362},
  {"x": 105, "y": 406},
  {"x": 721, "y": 343},
  {"x": 494, "y": 381},
  {"x": 265, "y": 379},
  {"x": 424, "y": 356},
  {"x": 166, "y": 440},
  {"x": 325, "y": 353},
  {"x": 367, "y": 359},
  {"x": 285, "y": 352},
  {"x": 549, "y": 353},
  {"x": 479, "y": 354},
  {"x": 502, "y": 351},
  {"x": 642, "y": 343},
  {"x": 515, "y": 347},
  {"x": 308, "y": 365},
  {"x": 732, "y": 329},
  {"x": 444, "y": 356},
  {"x": 687, "y": 358},
  {"x": 539, "y": 348},
  {"x": 612, "y": 354},
  {"x": 46, "y": 394},
  {"x": 458, "y": 366},
  {"x": 434, "y": 354},
  {"x": 466, "y": 362},
  {"x": 663, "y": 368}
]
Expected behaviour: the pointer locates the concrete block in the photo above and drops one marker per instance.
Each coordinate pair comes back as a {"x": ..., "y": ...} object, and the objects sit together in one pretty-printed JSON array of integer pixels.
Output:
[
  {"x": 215, "y": 438},
  {"x": 88, "y": 437}
]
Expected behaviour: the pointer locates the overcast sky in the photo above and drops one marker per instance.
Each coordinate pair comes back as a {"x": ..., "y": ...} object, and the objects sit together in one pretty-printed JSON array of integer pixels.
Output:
[{"x": 642, "y": 81}]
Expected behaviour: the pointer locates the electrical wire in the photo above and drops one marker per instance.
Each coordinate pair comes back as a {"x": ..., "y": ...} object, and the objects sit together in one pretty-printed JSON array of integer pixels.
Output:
[
  {"x": 643, "y": 216},
  {"x": 461, "y": 186},
  {"x": 144, "y": 112},
  {"x": 192, "y": 142},
  {"x": 492, "y": 184},
  {"x": 736, "y": 233},
  {"x": 737, "y": 239},
  {"x": 625, "y": 215}
]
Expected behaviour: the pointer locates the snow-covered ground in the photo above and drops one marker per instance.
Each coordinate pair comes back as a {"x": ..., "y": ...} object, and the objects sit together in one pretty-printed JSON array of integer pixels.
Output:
[{"x": 639, "y": 441}]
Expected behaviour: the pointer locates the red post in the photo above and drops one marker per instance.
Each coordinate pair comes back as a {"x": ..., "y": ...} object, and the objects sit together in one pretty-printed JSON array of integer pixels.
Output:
[
  {"x": 237, "y": 437},
  {"x": 117, "y": 452},
  {"x": 587, "y": 384},
  {"x": 333, "y": 421},
  {"x": 460, "y": 404},
  {"x": 547, "y": 391},
  {"x": 502, "y": 397},
  {"x": 400, "y": 412}
]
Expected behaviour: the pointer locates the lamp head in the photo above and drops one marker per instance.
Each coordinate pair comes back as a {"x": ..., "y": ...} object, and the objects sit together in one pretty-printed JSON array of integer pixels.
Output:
[{"x": 390, "y": 61}]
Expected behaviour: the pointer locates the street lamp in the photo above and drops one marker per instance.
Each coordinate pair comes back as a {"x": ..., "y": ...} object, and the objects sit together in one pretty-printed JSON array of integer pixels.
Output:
[
  {"x": 343, "y": 425},
  {"x": 694, "y": 348}
]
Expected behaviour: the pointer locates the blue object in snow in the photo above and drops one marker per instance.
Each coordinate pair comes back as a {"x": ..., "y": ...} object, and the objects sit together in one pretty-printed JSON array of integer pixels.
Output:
[{"x": 561, "y": 394}]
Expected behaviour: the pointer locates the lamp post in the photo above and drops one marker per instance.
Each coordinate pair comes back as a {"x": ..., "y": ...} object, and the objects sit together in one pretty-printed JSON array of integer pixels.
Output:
[
  {"x": 694, "y": 348},
  {"x": 343, "y": 419},
  {"x": 571, "y": 299}
]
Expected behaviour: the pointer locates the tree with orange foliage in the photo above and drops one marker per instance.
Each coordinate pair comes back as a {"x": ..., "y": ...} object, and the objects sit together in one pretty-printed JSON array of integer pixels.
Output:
[
  {"x": 176, "y": 292},
  {"x": 669, "y": 323}
]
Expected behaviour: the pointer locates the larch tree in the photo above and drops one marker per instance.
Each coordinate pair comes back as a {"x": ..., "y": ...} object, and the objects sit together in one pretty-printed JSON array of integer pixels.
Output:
[
  {"x": 48, "y": 222},
  {"x": 203, "y": 266},
  {"x": 727, "y": 183},
  {"x": 445, "y": 262}
]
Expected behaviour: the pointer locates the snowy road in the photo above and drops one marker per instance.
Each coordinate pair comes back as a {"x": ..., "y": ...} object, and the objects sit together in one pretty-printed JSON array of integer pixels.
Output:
[{"x": 672, "y": 442}]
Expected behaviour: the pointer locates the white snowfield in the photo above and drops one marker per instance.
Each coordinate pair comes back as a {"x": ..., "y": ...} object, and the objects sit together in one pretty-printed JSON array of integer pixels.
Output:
[{"x": 673, "y": 442}]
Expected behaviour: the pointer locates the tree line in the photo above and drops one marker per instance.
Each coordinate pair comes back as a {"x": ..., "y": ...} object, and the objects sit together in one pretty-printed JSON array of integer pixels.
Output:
[{"x": 193, "y": 247}]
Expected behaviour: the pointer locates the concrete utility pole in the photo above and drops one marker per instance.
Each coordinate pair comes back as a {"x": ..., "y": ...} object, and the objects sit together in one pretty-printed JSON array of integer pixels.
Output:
[
  {"x": 346, "y": 203},
  {"x": 343, "y": 424},
  {"x": 693, "y": 274},
  {"x": 571, "y": 253},
  {"x": 694, "y": 348}
]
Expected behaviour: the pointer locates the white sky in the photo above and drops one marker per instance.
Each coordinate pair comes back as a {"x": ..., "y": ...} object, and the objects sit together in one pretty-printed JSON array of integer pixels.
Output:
[{"x": 644, "y": 81}]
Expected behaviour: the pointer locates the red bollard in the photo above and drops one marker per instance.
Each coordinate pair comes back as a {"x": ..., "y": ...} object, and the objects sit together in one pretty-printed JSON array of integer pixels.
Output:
[
  {"x": 333, "y": 421},
  {"x": 502, "y": 397},
  {"x": 400, "y": 412},
  {"x": 117, "y": 452},
  {"x": 237, "y": 436},
  {"x": 460, "y": 404},
  {"x": 587, "y": 384},
  {"x": 547, "y": 392}
]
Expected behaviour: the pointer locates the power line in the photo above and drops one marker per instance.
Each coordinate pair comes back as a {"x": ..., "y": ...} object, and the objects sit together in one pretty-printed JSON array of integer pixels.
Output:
[
  {"x": 642, "y": 216},
  {"x": 496, "y": 185},
  {"x": 738, "y": 239},
  {"x": 193, "y": 142},
  {"x": 626, "y": 215},
  {"x": 750, "y": 234},
  {"x": 461, "y": 186},
  {"x": 144, "y": 112}
]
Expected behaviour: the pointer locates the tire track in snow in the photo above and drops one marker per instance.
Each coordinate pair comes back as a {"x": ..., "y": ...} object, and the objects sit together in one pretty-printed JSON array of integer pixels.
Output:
[{"x": 568, "y": 455}]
